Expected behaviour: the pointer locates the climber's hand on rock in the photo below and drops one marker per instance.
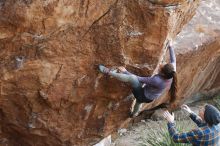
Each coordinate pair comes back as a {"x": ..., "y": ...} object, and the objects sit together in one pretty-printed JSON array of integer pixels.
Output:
[
  {"x": 168, "y": 116},
  {"x": 122, "y": 69},
  {"x": 186, "y": 108},
  {"x": 170, "y": 43}
]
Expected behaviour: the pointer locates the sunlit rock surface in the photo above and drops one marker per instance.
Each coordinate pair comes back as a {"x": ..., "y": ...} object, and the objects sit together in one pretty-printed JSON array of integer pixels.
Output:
[{"x": 51, "y": 92}]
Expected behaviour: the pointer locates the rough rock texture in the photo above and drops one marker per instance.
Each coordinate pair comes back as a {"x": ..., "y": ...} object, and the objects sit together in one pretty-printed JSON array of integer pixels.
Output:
[
  {"x": 198, "y": 56},
  {"x": 51, "y": 92},
  {"x": 199, "y": 52}
]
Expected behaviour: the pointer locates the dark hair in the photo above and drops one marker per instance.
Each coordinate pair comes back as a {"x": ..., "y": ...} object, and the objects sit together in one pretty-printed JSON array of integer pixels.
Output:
[
  {"x": 168, "y": 72},
  {"x": 211, "y": 115}
]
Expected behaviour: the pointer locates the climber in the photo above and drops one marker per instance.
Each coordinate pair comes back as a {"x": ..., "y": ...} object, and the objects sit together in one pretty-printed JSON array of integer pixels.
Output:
[
  {"x": 208, "y": 131},
  {"x": 153, "y": 87}
]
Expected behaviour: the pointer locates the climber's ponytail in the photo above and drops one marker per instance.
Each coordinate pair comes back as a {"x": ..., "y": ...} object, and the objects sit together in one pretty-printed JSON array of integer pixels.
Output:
[
  {"x": 168, "y": 72},
  {"x": 173, "y": 88}
]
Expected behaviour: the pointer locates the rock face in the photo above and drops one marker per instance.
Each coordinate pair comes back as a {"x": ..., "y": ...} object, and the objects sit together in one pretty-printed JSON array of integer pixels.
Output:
[
  {"x": 198, "y": 56},
  {"x": 51, "y": 92},
  {"x": 199, "y": 45}
]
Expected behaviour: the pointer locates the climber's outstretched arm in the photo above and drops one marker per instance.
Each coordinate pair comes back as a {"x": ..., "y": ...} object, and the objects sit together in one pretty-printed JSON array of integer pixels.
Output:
[{"x": 172, "y": 56}]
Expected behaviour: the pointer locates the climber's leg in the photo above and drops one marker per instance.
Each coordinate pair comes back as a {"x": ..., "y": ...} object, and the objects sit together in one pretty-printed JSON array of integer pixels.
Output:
[
  {"x": 137, "y": 89},
  {"x": 132, "y": 79},
  {"x": 136, "y": 107}
]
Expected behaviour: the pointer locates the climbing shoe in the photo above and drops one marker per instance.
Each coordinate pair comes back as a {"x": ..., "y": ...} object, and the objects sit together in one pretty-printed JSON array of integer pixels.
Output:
[{"x": 104, "y": 69}]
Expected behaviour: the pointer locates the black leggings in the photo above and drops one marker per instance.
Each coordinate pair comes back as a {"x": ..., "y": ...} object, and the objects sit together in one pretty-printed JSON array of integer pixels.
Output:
[{"x": 139, "y": 94}]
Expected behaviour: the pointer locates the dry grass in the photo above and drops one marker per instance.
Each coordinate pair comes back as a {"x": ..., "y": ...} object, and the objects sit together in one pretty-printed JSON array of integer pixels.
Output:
[{"x": 161, "y": 136}]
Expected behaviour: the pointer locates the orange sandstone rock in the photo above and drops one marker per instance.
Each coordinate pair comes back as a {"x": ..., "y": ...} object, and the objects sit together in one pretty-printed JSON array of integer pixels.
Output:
[{"x": 55, "y": 96}]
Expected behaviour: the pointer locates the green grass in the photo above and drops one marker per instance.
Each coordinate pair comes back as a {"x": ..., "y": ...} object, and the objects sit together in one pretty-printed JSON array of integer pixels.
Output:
[{"x": 161, "y": 136}]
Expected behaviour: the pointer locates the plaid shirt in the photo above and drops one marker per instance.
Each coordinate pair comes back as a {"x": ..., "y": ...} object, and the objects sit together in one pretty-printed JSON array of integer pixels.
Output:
[{"x": 202, "y": 136}]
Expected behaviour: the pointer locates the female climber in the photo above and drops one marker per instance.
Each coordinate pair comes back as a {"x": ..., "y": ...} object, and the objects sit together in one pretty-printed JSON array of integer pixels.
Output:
[{"x": 147, "y": 89}]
